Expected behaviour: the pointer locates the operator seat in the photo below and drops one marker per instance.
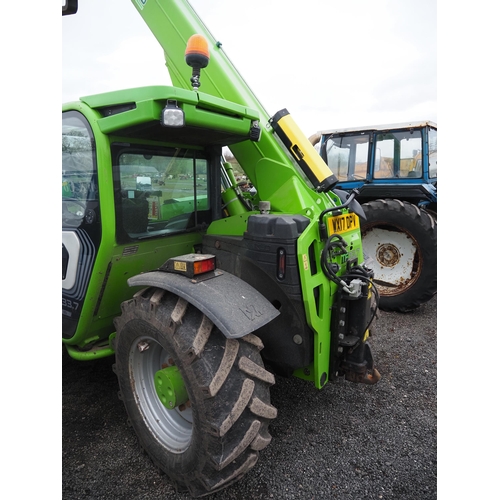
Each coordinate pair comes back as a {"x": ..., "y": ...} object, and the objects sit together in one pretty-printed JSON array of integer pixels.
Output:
[{"x": 135, "y": 210}]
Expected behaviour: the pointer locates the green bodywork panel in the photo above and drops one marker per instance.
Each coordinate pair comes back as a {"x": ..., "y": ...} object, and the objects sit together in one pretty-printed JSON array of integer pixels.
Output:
[
  {"x": 318, "y": 310},
  {"x": 200, "y": 109}
]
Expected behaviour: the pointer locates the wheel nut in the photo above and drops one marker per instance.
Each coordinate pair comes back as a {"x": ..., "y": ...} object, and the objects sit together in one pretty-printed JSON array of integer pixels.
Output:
[
  {"x": 142, "y": 346},
  {"x": 185, "y": 406}
]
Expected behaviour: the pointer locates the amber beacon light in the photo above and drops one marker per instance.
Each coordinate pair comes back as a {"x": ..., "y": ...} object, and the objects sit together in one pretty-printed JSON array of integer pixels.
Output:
[{"x": 197, "y": 57}]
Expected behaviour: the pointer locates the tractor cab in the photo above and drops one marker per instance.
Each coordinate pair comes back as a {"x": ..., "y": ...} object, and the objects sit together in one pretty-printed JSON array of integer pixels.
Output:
[
  {"x": 140, "y": 168},
  {"x": 401, "y": 158}
]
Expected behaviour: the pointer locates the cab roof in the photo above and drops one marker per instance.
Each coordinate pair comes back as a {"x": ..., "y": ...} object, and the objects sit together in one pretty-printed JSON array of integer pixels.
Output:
[{"x": 377, "y": 128}]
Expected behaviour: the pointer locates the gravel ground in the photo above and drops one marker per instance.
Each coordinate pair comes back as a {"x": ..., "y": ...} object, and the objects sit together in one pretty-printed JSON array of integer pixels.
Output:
[{"x": 347, "y": 441}]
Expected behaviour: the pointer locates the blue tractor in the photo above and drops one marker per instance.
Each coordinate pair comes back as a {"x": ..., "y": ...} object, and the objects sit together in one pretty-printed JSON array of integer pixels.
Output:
[{"x": 393, "y": 168}]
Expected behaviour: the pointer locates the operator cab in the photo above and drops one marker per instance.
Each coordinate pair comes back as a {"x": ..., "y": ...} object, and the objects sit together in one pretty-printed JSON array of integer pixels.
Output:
[
  {"x": 396, "y": 152},
  {"x": 141, "y": 179},
  {"x": 400, "y": 157}
]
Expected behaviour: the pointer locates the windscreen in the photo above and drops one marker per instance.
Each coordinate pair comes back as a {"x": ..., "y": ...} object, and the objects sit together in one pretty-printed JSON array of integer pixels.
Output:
[{"x": 347, "y": 156}]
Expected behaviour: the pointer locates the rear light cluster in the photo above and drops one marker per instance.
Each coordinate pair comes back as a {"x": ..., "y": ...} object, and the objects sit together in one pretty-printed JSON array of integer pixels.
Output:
[{"x": 190, "y": 265}]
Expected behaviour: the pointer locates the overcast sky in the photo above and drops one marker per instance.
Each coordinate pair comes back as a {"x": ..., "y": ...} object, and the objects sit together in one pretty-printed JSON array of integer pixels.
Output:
[{"x": 331, "y": 63}]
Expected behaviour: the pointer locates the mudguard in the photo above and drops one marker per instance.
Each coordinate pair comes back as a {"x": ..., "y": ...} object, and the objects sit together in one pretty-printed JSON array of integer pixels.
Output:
[{"x": 235, "y": 307}]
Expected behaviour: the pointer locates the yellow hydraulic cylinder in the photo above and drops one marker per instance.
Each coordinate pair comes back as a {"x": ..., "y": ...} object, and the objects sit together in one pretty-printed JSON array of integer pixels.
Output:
[{"x": 303, "y": 151}]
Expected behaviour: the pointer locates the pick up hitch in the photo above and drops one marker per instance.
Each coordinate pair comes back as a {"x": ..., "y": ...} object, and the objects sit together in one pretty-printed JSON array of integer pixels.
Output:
[
  {"x": 354, "y": 310},
  {"x": 360, "y": 370}
]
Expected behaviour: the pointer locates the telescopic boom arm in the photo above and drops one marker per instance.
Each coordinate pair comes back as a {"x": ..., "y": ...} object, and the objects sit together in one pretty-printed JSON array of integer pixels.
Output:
[{"x": 173, "y": 23}]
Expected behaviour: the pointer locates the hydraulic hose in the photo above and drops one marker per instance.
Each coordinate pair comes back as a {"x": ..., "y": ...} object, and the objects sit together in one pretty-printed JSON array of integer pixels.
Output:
[{"x": 336, "y": 245}]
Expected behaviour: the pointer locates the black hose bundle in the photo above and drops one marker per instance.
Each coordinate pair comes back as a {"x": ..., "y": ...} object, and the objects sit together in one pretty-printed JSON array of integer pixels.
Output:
[{"x": 335, "y": 246}]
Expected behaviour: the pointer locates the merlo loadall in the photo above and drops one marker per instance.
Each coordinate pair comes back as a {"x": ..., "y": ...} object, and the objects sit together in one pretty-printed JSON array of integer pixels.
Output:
[{"x": 204, "y": 293}]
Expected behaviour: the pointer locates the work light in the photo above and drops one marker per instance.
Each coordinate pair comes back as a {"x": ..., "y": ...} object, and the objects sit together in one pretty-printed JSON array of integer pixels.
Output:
[{"x": 172, "y": 115}]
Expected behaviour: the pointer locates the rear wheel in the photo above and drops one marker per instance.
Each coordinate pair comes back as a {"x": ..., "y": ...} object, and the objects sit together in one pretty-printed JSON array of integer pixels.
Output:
[
  {"x": 401, "y": 240},
  {"x": 198, "y": 402}
]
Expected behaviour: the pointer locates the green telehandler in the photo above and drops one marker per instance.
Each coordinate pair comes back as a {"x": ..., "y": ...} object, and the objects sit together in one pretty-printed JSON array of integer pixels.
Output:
[{"x": 204, "y": 293}]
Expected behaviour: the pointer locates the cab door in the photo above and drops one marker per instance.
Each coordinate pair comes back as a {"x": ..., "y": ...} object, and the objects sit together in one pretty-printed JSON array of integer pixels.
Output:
[{"x": 81, "y": 227}]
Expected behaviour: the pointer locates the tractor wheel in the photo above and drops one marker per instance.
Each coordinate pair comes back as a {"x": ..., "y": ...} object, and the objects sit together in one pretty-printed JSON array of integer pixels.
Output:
[
  {"x": 401, "y": 240},
  {"x": 198, "y": 402}
]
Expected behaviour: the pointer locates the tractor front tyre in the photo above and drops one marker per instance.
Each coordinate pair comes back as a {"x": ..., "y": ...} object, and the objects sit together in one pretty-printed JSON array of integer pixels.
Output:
[
  {"x": 198, "y": 401},
  {"x": 401, "y": 241}
]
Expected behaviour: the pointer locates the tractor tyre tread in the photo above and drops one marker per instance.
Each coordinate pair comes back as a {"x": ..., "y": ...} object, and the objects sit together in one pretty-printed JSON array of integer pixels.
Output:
[{"x": 231, "y": 405}]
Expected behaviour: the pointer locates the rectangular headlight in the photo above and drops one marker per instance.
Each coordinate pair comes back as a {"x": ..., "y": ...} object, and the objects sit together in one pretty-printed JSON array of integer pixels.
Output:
[{"x": 172, "y": 115}]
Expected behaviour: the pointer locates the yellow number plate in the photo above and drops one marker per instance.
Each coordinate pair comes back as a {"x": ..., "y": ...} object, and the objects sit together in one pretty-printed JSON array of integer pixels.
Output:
[
  {"x": 342, "y": 223},
  {"x": 180, "y": 266}
]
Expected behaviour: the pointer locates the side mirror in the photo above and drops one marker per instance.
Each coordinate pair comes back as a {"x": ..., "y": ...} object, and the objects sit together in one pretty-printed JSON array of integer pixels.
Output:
[{"x": 69, "y": 7}]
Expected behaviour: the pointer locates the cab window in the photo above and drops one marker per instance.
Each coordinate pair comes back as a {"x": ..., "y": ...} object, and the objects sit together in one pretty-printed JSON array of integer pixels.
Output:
[
  {"x": 433, "y": 153},
  {"x": 347, "y": 156},
  {"x": 399, "y": 154},
  {"x": 158, "y": 193},
  {"x": 79, "y": 174}
]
